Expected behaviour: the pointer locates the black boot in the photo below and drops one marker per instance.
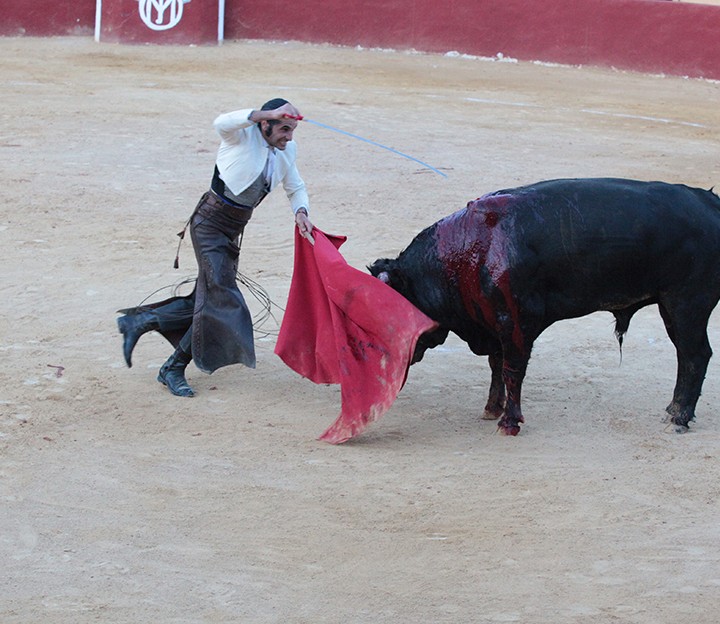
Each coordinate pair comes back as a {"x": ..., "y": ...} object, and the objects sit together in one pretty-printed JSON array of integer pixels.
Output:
[
  {"x": 172, "y": 373},
  {"x": 132, "y": 326},
  {"x": 172, "y": 315}
]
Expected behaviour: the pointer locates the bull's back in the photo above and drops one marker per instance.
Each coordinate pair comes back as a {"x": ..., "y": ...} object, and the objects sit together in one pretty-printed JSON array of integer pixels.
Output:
[
  {"x": 589, "y": 244},
  {"x": 606, "y": 221}
]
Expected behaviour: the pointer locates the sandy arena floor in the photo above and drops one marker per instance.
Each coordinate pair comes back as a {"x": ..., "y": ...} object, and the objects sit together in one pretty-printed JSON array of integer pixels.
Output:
[{"x": 123, "y": 504}]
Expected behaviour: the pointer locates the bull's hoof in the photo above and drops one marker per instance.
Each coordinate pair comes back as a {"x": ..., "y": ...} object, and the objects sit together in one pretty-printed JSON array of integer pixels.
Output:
[
  {"x": 677, "y": 418},
  {"x": 510, "y": 424},
  {"x": 491, "y": 414},
  {"x": 509, "y": 430},
  {"x": 682, "y": 426},
  {"x": 672, "y": 410}
]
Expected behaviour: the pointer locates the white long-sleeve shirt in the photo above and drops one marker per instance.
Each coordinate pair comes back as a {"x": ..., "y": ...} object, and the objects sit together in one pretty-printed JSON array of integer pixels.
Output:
[{"x": 243, "y": 153}]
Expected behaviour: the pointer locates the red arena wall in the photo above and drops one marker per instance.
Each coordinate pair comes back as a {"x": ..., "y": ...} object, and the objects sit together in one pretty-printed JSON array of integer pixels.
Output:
[
  {"x": 46, "y": 18},
  {"x": 179, "y": 22},
  {"x": 645, "y": 35}
]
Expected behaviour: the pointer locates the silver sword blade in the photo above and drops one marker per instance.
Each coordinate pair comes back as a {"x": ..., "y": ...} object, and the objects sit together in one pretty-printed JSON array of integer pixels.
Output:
[{"x": 376, "y": 144}]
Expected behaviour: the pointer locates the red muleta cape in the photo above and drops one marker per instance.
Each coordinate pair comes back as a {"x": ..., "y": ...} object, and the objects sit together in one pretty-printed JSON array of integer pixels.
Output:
[{"x": 345, "y": 326}]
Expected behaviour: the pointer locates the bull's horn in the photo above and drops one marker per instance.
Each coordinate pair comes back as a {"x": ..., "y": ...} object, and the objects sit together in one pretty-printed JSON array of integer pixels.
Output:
[{"x": 384, "y": 277}]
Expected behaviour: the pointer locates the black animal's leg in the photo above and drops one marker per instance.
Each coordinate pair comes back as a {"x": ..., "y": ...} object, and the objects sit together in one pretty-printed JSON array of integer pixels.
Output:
[
  {"x": 513, "y": 373},
  {"x": 687, "y": 329},
  {"x": 673, "y": 408},
  {"x": 496, "y": 398}
]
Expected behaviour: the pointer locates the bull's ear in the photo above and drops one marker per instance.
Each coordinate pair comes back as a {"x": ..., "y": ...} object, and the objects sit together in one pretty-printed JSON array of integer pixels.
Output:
[
  {"x": 381, "y": 269},
  {"x": 379, "y": 266}
]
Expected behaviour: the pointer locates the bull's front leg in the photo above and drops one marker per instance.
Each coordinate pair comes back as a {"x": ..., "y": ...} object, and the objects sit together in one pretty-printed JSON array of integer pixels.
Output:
[
  {"x": 513, "y": 374},
  {"x": 496, "y": 398}
]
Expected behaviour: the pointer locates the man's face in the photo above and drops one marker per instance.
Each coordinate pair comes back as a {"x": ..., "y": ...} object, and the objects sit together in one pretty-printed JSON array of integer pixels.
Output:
[{"x": 278, "y": 135}]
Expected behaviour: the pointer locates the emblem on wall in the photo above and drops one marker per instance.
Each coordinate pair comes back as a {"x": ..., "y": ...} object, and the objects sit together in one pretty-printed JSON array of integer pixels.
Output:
[{"x": 161, "y": 14}]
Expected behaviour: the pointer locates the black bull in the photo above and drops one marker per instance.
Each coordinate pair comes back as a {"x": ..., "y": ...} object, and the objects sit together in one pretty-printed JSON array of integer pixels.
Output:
[{"x": 507, "y": 266}]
